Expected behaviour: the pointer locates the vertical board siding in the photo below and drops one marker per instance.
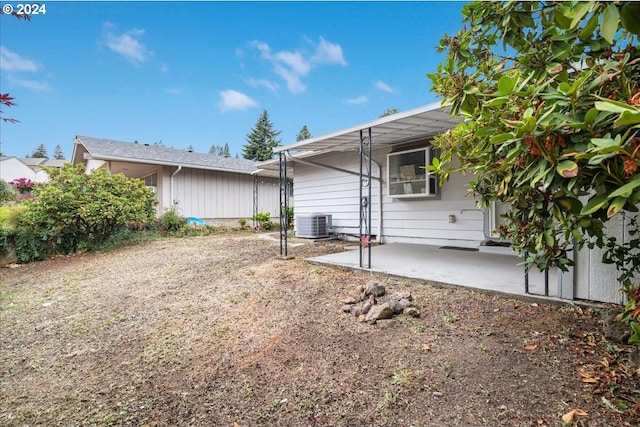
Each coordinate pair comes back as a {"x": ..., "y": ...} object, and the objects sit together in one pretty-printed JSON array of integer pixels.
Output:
[
  {"x": 327, "y": 191},
  {"x": 594, "y": 280},
  {"x": 215, "y": 195}
]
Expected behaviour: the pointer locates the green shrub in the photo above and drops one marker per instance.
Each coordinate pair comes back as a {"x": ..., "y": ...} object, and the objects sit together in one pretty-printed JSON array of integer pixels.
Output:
[
  {"x": 11, "y": 215},
  {"x": 7, "y": 192},
  {"x": 31, "y": 245},
  {"x": 81, "y": 207},
  {"x": 264, "y": 220},
  {"x": 172, "y": 221}
]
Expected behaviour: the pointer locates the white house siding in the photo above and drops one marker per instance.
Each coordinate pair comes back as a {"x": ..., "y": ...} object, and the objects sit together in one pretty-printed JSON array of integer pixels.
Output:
[
  {"x": 328, "y": 191},
  {"x": 594, "y": 280},
  {"x": 12, "y": 168},
  {"x": 219, "y": 197}
]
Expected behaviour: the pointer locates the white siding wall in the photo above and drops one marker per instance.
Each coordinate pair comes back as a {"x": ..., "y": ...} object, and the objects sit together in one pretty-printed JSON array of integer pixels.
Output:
[
  {"x": 12, "y": 168},
  {"x": 594, "y": 280},
  {"x": 219, "y": 197},
  {"x": 328, "y": 191},
  {"x": 321, "y": 190}
]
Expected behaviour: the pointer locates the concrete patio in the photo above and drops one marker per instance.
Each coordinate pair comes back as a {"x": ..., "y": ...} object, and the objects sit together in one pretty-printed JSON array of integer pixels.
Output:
[{"x": 454, "y": 266}]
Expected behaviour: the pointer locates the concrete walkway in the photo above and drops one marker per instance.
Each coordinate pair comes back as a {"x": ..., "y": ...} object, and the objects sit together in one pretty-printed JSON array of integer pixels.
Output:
[{"x": 489, "y": 271}]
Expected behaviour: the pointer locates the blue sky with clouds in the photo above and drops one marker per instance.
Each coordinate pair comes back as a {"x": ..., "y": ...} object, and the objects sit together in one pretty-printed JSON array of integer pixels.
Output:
[{"x": 200, "y": 73}]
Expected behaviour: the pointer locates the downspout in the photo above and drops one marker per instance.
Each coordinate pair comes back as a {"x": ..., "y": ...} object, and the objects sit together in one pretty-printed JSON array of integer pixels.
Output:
[{"x": 171, "y": 185}]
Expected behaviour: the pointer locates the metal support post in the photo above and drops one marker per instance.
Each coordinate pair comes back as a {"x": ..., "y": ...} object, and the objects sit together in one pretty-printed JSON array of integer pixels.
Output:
[
  {"x": 284, "y": 205},
  {"x": 365, "y": 200},
  {"x": 255, "y": 201}
]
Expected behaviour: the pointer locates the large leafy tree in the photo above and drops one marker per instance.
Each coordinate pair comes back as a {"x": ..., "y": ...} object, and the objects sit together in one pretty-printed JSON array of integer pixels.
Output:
[
  {"x": 551, "y": 94},
  {"x": 261, "y": 140}
]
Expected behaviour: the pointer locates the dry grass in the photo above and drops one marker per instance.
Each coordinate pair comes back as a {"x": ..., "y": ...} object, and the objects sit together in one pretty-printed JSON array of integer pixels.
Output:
[{"x": 215, "y": 331}]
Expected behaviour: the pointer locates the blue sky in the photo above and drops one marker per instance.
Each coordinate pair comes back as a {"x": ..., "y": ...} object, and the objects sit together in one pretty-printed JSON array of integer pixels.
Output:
[{"x": 200, "y": 73}]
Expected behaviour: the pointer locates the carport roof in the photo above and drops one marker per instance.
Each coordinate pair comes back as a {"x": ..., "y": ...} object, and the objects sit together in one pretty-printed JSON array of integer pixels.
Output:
[
  {"x": 425, "y": 121},
  {"x": 422, "y": 122}
]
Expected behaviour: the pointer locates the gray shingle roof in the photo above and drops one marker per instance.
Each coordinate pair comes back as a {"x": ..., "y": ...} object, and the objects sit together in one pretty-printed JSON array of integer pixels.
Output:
[{"x": 107, "y": 149}]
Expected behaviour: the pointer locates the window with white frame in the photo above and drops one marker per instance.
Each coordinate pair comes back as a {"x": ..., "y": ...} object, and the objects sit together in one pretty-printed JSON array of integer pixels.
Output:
[
  {"x": 151, "y": 181},
  {"x": 407, "y": 174}
]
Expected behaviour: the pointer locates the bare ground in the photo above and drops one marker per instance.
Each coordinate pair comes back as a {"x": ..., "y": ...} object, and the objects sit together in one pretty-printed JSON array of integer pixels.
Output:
[{"x": 216, "y": 331}]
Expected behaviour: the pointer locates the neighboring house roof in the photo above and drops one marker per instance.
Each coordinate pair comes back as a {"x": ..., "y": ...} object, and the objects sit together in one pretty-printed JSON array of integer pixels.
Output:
[
  {"x": 107, "y": 149},
  {"x": 40, "y": 161}
]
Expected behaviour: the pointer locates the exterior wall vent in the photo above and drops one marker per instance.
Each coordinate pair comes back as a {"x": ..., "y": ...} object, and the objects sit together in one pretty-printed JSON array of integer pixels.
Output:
[{"x": 313, "y": 226}]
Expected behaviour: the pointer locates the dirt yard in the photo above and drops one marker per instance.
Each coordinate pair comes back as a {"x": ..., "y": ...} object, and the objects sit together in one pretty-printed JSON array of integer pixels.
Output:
[{"x": 216, "y": 331}]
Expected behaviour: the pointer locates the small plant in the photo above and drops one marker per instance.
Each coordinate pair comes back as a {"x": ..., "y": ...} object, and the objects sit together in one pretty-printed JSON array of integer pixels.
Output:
[
  {"x": 264, "y": 221},
  {"x": 567, "y": 332},
  {"x": 450, "y": 318},
  {"x": 242, "y": 222},
  {"x": 418, "y": 328},
  {"x": 483, "y": 348},
  {"x": 402, "y": 376},
  {"x": 172, "y": 221},
  {"x": 445, "y": 367}
]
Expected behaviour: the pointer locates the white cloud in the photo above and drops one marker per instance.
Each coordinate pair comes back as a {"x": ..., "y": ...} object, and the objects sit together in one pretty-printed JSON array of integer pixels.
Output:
[
  {"x": 328, "y": 53},
  {"x": 12, "y": 62},
  {"x": 35, "y": 85},
  {"x": 234, "y": 100},
  {"x": 358, "y": 100},
  {"x": 126, "y": 44},
  {"x": 293, "y": 65},
  {"x": 174, "y": 91},
  {"x": 383, "y": 86},
  {"x": 164, "y": 68},
  {"x": 273, "y": 87}
]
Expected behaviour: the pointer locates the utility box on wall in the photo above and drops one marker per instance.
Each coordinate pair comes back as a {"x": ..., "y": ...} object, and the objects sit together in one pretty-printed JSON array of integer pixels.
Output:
[{"x": 313, "y": 226}]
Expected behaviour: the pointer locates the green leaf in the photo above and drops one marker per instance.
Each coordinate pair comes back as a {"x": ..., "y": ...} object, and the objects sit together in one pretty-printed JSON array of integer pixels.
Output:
[
  {"x": 610, "y": 21},
  {"x": 595, "y": 204},
  {"x": 505, "y": 85},
  {"x": 561, "y": 50},
  {"x": 613, "y": 106},
  {"x": 628, "y": 118},
  {"x": 627, "y": 189},
  {"x": 501, "y": 137},
  {"x": 616, "y": 206},
  {"x": 567, "y": 169},
  {"x": 587, "y": 31},
  {"x": 569, "y": 204},
  {"x": 591, "y": 115},
  {"x": 495, "y": 102},
  {"x": 578, "y": 13}
]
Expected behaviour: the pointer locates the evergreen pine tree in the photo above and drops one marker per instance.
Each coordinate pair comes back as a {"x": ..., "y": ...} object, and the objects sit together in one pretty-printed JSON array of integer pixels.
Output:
[
  {"x": 58, "y": 154},
  {"x": 389, "y": 111},
  {"x": 262, "y": 140},
  {"x": 303, "y": 134},
  {"x": 40, "y": 152},
  {"x": 225, "y": 150}
]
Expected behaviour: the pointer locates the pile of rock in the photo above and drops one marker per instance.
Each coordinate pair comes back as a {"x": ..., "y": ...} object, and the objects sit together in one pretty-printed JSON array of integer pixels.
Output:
[{"x": 371, "y": 306}]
